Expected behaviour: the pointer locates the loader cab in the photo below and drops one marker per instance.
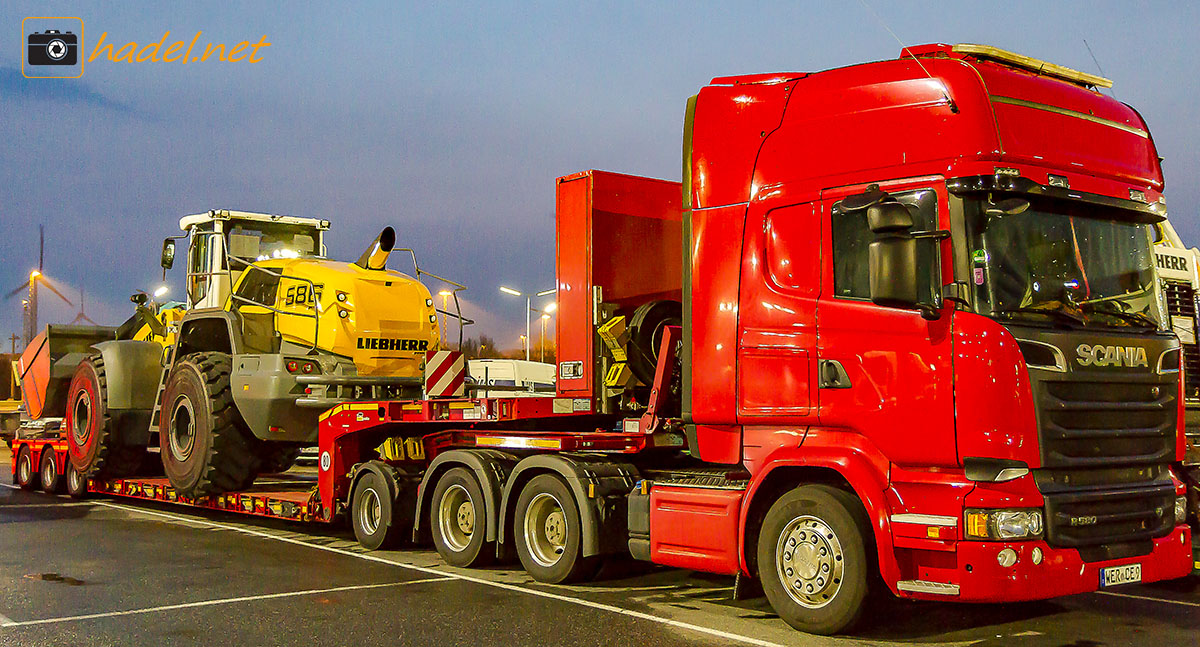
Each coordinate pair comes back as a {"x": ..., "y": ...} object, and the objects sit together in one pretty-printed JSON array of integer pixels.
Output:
[{"x": 222, "y": 244}]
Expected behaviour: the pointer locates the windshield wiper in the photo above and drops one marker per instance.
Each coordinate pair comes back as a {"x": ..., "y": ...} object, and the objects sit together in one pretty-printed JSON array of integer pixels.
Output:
[
  {"x": 1136, "y": 318},
  {"x": 1058, "y": 314}
]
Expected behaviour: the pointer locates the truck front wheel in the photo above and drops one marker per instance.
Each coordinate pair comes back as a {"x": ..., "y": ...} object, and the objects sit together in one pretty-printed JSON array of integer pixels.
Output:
[
  {"x": 812, "y": 558},
  {"x": 549, "y": 533},
  {"x": 458, "y": 520},
  {"x": 205, "y": 447}
]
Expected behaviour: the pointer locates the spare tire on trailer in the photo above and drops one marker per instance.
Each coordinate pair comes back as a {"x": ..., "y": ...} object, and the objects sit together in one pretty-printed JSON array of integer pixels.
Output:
[
  {"x": 93, "y": 445},
  {"x": 205, "y": 445},
  {"x": 646, "y": 328}
]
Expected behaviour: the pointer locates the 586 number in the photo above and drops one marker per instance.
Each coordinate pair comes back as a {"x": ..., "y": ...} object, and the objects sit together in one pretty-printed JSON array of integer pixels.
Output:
[{"x": 302, "y": 295}]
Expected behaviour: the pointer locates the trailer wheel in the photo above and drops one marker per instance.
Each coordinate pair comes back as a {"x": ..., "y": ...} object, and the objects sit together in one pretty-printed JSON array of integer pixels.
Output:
[
  {"x": 548, "y": 533},
  {"x": 76, "y": 483},
  {"x": 458, "y": 520},
  {"x": 812, "y": 558},
  {"x": 92, "y": 448},
  {"x": 205, "y": 446},
  {"x": 373, "y": 514},
  {"x": 26, "y": 476},
  {"x": 51, "y": 480}
]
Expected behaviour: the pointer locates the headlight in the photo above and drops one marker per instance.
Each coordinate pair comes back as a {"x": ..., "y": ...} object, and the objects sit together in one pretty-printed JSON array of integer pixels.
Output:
[
  {"x": 1004, "y": 524},
  {"x": 1180, "y": 509}
]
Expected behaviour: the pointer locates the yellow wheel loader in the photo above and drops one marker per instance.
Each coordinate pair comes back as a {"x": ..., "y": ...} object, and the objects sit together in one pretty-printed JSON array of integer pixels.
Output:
[{"x": 231, "y": 384}]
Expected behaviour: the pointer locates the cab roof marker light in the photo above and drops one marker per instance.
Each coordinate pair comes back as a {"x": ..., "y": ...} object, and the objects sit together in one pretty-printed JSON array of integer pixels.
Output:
[{"x": 1032, "y": 64}]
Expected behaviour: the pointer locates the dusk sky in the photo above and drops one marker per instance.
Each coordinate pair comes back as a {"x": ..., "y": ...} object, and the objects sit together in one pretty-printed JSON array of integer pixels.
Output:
[{"x": 450, "y": 121}]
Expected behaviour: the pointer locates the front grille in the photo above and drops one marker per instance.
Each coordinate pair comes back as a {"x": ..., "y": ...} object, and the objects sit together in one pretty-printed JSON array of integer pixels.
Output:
[
  {"x": 1090, "y": 518},
  {"x": 1181, "y": 302},
  {"x": 1094, "y": 424}
]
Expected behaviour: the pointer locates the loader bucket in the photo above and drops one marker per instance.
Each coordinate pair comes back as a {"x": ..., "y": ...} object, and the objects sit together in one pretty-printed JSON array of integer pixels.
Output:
[{"x": 49, "y": 362}]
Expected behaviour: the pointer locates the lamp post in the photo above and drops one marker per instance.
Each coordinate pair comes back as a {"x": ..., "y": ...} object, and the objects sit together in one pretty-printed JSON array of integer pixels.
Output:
[
  {"x": 528, "y": 308},
  {"x": 542, "y": 342}
]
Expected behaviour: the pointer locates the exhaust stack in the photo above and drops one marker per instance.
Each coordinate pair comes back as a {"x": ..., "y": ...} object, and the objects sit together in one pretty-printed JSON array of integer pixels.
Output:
[{"x": 375, "y": 258}]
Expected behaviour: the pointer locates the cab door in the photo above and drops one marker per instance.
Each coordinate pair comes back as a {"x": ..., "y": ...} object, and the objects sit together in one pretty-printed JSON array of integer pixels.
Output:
[{"x": 885, "y": 372}]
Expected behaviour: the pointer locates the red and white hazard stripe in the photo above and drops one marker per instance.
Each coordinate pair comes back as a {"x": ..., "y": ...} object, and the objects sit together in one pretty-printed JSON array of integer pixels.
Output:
[{"x": 445, "y": 373}]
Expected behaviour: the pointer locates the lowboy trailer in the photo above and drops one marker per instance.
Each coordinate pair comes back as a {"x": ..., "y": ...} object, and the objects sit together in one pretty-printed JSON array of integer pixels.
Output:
[{"x": 897, "y": 330}]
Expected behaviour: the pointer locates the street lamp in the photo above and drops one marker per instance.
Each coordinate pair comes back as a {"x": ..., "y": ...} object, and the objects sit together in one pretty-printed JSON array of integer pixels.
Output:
[{"x": 528, "y": 308}]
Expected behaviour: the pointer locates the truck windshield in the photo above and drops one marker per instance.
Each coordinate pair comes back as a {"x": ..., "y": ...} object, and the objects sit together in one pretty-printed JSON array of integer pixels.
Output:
[
  {"x": 1063, "y": 264},
  {"x": 256, "y": 241}
]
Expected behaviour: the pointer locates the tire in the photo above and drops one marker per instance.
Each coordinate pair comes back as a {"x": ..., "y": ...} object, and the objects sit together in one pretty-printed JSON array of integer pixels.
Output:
[
  {"x": 90, "y": 429},
  {"x": 26, "y": 475},
  {"x": 205, "y": 446},
  {"x": 645, "y": 334},
  {"x": 276, "y": 457},
  {"x": 51, "y": 481},
  {"x": 76, "y": 483},
  {"x": 373, "y": 513},
  {"x": 827, "y": 596},
  {"x": 458, "y": 519},
  {"x": 549, "y": 533}
]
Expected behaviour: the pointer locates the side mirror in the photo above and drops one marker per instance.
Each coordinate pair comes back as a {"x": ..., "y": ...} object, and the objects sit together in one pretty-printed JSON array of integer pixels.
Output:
[
  {"x": 889, "y": 217},
  {"x": 168, "y": 254},
  {"x": 892, "y": 273}
]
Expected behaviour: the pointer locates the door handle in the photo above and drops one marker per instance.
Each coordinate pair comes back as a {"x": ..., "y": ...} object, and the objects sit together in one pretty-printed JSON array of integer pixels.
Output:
[{"x": 832, "y": 375}]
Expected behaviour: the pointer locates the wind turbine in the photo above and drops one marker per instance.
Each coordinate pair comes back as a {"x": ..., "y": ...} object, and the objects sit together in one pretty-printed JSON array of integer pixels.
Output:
[{"x": 36, "y": 278}]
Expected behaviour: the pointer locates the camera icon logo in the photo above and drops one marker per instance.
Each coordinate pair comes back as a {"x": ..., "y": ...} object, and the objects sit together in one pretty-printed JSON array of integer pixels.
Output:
[{"x": 53, "y": 47}]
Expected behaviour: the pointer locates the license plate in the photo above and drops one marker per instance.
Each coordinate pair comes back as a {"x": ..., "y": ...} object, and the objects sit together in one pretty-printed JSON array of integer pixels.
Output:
[{"x": 1114, "y": 575}]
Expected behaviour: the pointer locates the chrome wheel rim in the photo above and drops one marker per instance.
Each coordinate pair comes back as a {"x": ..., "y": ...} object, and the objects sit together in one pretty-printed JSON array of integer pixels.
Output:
[
  {"x": 370, "y": 515},
  {"x": 74, "y": 480},
  {"x": 545, "y": 529},
  {"x": 81, "y": 423},
  {"x": 24, "y": 469},
  {"x": 48, "y": 471},
  {"x": 182, "y": 434},
  {"x": 456, "y": 518},
  {"x": 810, "y": 561}
]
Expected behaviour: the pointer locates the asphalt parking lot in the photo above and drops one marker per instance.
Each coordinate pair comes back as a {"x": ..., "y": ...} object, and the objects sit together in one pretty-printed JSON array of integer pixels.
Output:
[{"x": 108, "y": 572}]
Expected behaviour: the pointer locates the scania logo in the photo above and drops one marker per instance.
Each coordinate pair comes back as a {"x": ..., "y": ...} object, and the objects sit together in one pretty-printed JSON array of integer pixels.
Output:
[{"x": 1099, "y": 355}]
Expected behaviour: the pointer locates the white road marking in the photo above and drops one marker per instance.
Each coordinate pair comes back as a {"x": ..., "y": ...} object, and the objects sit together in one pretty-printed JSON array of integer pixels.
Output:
[
  {"x": 5, "y": 622},
  {"x": 1148, "y": 598},
  {"x": 679, "y": 624}
]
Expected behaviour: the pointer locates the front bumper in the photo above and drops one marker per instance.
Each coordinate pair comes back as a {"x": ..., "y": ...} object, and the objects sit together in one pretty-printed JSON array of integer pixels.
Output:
[{"x": 979, "y": 578}]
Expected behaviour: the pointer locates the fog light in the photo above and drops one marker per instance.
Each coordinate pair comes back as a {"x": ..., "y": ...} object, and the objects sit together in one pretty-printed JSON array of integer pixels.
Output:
[
  {"x": 432, "y": 318},
  {"x": 343, "y": 313},
  {"x": 342, "y": 296},
  {"x": 1180, "y": 509},
  {"x": 1006, "y": 557},
  {"x": 1036, "y": 555}
]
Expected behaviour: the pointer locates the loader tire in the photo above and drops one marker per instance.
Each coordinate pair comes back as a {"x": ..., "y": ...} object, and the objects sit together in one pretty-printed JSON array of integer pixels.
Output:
[
  {"x": 92, "y": 443},
  {"x": 205, "y": 445},
  {"x": 277, "y": 457}
]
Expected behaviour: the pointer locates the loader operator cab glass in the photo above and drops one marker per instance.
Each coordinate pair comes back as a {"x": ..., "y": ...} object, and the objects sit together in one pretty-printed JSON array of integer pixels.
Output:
[
  {"x": 259, "y": 241},
  {"x": 1063, "y": 264},
  {"x": 198, "y": 267}
]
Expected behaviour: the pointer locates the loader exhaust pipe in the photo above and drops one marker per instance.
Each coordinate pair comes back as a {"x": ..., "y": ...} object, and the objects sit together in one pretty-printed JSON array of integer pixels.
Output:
[{"x": 375, "y": 258}]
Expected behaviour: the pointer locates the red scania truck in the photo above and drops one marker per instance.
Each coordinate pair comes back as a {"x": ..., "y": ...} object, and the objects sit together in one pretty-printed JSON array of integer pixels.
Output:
[{"x": 897, "y": 330}]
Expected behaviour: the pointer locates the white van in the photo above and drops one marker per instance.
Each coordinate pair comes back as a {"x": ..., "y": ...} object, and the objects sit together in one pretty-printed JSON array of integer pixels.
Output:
[{"x": 517, "y": 377}]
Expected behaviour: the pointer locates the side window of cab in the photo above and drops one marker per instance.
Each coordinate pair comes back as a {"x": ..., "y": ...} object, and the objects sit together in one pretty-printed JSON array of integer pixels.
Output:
[{"x": 852, "y": 239}]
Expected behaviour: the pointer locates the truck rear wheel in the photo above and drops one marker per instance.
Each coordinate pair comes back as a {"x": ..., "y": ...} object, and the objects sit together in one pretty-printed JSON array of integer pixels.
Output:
[
  {"x": 26, "y": 476},
  {"x": 93, "y": 450},
  {"x": 549, "y": 533},
  {"x": 373, "y": 514},
  {"x": 458, "y": 520},
  {"x": 205, "y": 446},
  {"x": 76, "y": 483},
  {"x": 812, "y": 558},
  {"x": 51, "y": 480}
]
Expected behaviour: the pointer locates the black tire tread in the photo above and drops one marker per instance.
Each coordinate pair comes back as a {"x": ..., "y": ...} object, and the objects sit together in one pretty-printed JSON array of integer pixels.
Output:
[
  {"x": 112, "y": 460},
  {"x": 232, "y": 463}
]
